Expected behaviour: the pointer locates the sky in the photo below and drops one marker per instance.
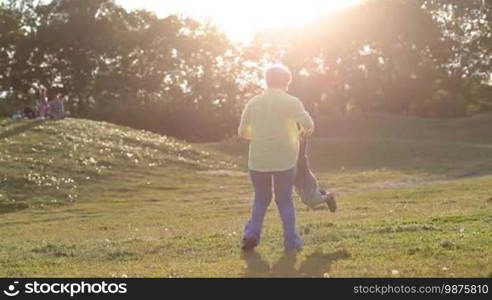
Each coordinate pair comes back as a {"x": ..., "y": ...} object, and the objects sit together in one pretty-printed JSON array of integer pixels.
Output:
[{"x": 242, "y": 19}]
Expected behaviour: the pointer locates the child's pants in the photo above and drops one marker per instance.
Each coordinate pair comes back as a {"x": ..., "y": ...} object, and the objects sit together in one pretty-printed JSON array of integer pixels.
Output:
[
  {"x": 283, "y": 182},
  {"x": 316, "y": 198}
]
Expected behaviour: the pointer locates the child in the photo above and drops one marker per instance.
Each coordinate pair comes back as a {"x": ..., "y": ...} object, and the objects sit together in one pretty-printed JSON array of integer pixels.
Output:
[
  {"x": 29, "y": 112},
  {"x": 306, "y": 184}
]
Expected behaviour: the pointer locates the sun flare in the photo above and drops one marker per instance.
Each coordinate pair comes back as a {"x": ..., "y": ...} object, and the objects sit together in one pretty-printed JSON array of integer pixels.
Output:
[{"x": 242, "y": 19}]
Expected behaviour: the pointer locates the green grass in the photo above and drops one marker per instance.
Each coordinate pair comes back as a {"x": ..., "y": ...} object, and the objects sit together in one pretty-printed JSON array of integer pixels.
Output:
[{"x": 84, "y": 198}]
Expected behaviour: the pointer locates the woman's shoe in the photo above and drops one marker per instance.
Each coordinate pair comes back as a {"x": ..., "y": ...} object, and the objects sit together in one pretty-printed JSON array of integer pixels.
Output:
[{"x": 249, "y": 244}]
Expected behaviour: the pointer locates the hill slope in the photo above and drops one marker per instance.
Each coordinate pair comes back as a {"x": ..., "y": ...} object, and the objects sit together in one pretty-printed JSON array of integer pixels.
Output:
[
  {"x": 54, "y": 162},
  {"x": 85, "y": 198}
]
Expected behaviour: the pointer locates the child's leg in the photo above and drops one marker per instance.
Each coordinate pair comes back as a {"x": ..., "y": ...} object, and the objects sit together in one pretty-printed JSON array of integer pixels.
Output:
[{"x": 318, "y": 198}]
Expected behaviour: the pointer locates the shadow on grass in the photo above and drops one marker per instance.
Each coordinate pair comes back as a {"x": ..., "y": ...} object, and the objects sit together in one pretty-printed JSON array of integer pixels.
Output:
[
  {"x": 317, "y": 264},
  {"x": 6, "y": 133},
  {"x": 12, "y": 207}
]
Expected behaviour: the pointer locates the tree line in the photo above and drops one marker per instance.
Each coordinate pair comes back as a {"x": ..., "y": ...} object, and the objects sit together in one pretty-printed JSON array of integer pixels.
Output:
[{"x": 185, "y": 78}]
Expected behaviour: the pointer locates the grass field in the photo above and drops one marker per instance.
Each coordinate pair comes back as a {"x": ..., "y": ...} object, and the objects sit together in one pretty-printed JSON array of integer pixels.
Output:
[{"x": 84, "y": 198}]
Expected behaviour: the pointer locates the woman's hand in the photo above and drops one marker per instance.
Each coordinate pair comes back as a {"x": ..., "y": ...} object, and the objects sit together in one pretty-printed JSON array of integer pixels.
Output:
[{"x": 306, "y": 132}]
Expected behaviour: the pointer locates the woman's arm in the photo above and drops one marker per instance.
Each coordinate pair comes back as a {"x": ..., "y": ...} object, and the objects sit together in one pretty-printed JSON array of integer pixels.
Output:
[
  {"x": 301, "y": 116},
  {"x": 244, "y": 129}
]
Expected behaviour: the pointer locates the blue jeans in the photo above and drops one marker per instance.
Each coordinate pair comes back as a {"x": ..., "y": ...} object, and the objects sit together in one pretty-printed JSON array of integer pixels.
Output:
[{"x": 283, "y": 182}]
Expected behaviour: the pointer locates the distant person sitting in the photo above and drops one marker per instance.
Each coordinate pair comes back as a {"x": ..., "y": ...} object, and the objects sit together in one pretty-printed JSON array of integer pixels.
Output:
[
  {"x": 29, "y": 112},
  {"x": 56, "y": 109}
]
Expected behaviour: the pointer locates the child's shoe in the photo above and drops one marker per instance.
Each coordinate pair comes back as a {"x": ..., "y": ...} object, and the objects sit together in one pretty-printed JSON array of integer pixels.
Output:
[{"x": 330, "y": 200}]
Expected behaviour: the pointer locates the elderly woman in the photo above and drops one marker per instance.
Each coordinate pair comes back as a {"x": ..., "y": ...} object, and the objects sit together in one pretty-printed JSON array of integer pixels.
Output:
[{"x": 270, "y": 122}]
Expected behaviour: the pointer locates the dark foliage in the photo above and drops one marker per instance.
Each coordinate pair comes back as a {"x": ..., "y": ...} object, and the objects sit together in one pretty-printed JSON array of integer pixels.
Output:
[{"x": 184, "y": 78}]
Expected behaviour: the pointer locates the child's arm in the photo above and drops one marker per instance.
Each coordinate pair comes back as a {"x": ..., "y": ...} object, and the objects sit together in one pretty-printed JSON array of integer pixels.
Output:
[{"x": 302, "y": 117}]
